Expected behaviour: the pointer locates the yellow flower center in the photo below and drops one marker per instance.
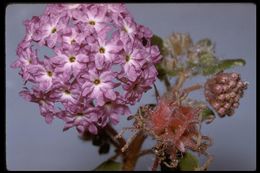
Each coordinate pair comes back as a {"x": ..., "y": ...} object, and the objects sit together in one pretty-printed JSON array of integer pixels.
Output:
[
  {"x": 72, "y": 59},
  {"x": 53, "y": 30},
  {"x": 92, "y": 22},
  {"x": 102, "y": 50},
  {"x": 80, "y": 113},
  {"x": 67, "y": 92},
  {"x": 49, "y": 73},
  {"x": 97, "y": 81},
  {"x": 127, "y": 58}
]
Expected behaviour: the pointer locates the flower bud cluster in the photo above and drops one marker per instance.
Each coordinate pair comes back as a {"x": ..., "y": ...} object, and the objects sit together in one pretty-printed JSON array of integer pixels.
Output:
[{"x": 223, "y": 91}]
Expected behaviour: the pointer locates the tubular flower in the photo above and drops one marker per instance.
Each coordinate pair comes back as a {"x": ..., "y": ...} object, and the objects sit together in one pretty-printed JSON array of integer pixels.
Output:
[{"x": 77, "y": 82}]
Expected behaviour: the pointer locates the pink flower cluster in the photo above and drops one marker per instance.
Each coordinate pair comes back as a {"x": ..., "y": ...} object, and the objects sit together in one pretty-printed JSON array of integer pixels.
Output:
[{"x": 103, "y": 61}]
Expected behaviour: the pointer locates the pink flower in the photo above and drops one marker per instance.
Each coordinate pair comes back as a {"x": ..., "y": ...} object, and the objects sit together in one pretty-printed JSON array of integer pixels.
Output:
[
  {"x": 50, "y": 29},
  {"x": 66, "y": 93},
  {"x": 81, "y": 118},
  {"x": 92, "y": 17},
  {"x": 97, "y": 47},
  {"x": 41, "y": 98},
  {"x": 99, "y": 85},
  {"x": 134, "y": 90},
  {"x": 44, "y": 75},
  {"x": 69, "y": 62},
  {"x": 106, "y": 51},
  {"x": 132, "y": 60},
  {"x": 111, "y": 112},
  {"x": 27, "y": 58},
  {"x": 128, "y": 28},
  {"x": 116, "y": 11},
  {"x": 31, "y": 26},
  {"x": 72, "y": 37}
]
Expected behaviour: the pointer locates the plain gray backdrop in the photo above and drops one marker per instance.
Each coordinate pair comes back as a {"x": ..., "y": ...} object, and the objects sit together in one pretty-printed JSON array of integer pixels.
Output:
[{"x": 31, "y": 144}]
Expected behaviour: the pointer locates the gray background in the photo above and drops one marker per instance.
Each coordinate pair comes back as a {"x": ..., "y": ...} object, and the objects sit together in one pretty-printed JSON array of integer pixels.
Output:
[{"x": 31, "y": 144}]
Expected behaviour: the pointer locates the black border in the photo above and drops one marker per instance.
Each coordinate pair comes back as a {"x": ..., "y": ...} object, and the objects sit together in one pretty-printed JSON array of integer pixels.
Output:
[{"x": 5, "y": 3}]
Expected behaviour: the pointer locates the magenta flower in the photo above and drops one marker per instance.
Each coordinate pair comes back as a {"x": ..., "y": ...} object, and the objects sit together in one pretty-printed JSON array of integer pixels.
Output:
[
  {"x": 69, "y": 62},
  {"x": 106, "y": 51},
  {"x": 44, "y": 75},
  {"x": 116, "y": 11},
  {"x": 46, "y": 106},
  {"x": 81, "y": 118},
  {"x": 50, "y": 29},
  {"x": 111, "y": 112},
  {"x": 132, "y": 60},
  {"x": 27, "y": 58},
  {"x": 96, "y": 47},
  {"x": 93, "y": 17},
  {"x": 72, "y": 37},
  {"x": 128, "y": 28},
  {"x": 99, "y": 85},
  {"x": 134, "y": 90},
  {"x": 66, "y": 93},
  {"x": 31, "y": 26}
]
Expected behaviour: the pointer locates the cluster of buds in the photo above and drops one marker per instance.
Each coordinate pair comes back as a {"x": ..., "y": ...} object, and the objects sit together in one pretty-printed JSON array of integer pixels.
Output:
[
  {"x": 179, "y": 43},
  {"x": 96, "y": 50},
  {"x": 223, "y": 91}
]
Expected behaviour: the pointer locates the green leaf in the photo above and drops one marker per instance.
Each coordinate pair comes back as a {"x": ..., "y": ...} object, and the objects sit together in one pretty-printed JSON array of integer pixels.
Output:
[
  {"x": 156, "y": 40},
  {"x": 109, "y": 165},
  {"x": 188, "y": 162},
  {"x": 161, "y": 72},
  {"x": 230, "y": 63},
  {"x": 204, "y": 42},
  {"x": 207, "y": 115},
  {"x": 207, "y": 59},
  {"x": 222, "y": 65}
]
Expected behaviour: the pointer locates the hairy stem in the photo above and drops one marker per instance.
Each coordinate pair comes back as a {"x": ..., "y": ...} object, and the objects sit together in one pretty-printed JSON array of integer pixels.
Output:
[
  {"x": 167, "y": 83},
  {"x": 179, "y": 81},
  {"x": 132, "y": 153},
  {"x": 118, "y": 143}
]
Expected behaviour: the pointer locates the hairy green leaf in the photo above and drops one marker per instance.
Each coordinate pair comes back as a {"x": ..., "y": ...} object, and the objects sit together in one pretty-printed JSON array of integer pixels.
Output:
[
  {"x": 222, "y": 65},
  {"x": 204, "y": 42},
  {"x": 207, "y": 115},
  {"x": 188, "y": 162},
  {"x": 230, "y": 63},
  {"x": 156, "y": 40}
]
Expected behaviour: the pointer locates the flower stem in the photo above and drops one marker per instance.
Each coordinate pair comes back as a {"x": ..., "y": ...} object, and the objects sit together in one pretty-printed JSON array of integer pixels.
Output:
[{"x": 132, "y": 153}]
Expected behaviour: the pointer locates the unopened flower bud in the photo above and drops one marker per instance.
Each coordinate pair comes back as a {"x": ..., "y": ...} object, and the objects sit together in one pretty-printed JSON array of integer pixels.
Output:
[
  {"x": 234, "y": 76},
  {"x": 230, "y": 112},
  {"x": 232, "y": 94},
  {"x": 227, "y": 96},
  {"x": 245, "y": 85},
  {"x": 223, "y": 91},
  {"x": 221, "y": 111},
  {"x": 240, "y": 84},
  {"x": 227, "y": 106},
  {"x": 232, "y": 84},
  {"x": 216, "y": 105},
  {"x": 217, "y": 89},
  {"x": 221, "y": 97},
  {"x": 225, "y": 88},
  {"x": 223, "y": 79},
  {"x": 236, "y": 105}
]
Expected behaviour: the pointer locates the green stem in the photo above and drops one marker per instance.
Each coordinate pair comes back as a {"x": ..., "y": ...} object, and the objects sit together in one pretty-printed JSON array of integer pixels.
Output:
[{"x": 167, "y": 83}]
